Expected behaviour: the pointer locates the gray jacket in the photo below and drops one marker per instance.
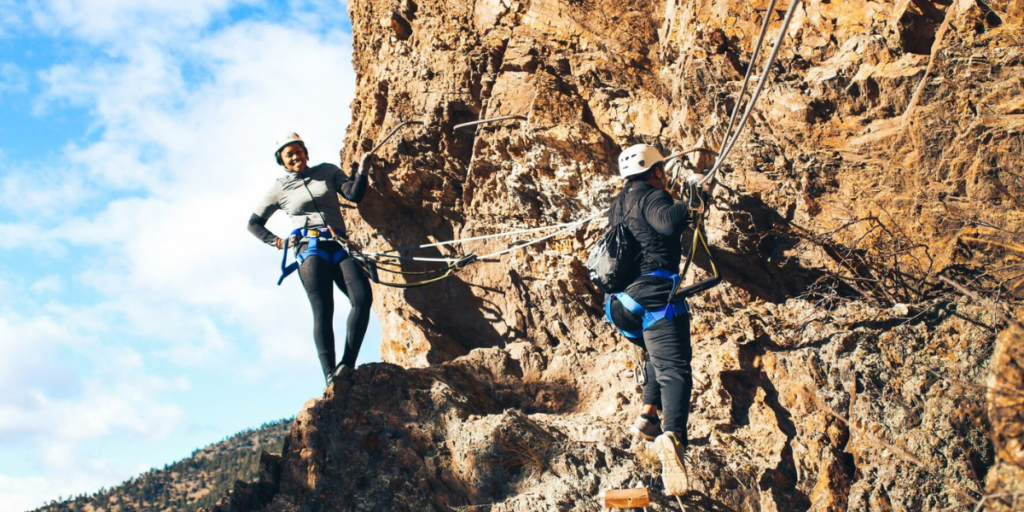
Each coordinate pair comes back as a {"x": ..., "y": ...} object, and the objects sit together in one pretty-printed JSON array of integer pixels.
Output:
[{"x": 309, "y": 198}]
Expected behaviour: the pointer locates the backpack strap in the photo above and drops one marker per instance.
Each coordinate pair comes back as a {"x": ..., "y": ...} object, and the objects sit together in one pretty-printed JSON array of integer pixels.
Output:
[{"x": 633, "y": 204}]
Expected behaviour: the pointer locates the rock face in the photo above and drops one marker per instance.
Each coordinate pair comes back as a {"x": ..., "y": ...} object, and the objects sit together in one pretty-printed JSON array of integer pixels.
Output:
[{"x": 869, "y": 229}]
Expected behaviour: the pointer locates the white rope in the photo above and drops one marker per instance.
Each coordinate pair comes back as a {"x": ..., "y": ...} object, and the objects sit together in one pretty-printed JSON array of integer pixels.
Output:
[
  {"x": 564, "y": 227},
  {"x": 539, "y": 240},
  {"x": 460, "y": 241},
  {"x": 754, "y": 96}
]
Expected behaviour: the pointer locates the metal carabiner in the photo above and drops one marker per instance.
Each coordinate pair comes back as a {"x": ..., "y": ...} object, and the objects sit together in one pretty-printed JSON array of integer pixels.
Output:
[{"x": 640, "y": 372}]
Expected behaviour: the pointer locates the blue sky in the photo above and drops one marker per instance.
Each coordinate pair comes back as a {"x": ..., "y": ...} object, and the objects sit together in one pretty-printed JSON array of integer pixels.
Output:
[{"x": 138, "y": 319}]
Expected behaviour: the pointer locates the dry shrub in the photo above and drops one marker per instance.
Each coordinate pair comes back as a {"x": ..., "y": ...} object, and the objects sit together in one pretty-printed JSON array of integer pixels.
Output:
[{"x": 524, "y": 448}]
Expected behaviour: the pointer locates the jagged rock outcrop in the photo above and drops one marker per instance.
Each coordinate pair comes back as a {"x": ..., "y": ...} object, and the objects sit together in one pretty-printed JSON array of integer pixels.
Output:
[{"x": 869, "y": 228}]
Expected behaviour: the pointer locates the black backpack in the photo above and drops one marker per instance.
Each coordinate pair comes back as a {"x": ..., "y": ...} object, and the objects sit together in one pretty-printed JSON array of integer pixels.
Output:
[{"x": 615, "y": 262}]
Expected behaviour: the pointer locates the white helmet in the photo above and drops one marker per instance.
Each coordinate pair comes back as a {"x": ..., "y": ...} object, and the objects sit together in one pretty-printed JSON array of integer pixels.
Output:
[
  {"x": 283, "y": 140},
  {"x": 637, "y": 159}
]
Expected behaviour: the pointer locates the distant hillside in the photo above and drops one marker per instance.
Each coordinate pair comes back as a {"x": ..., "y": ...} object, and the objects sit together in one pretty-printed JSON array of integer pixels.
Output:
[{"x": 189, "y": 484}]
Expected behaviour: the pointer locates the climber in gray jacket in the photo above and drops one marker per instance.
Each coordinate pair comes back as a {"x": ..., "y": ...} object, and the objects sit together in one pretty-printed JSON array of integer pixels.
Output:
[{"x": 309, "y": 196}]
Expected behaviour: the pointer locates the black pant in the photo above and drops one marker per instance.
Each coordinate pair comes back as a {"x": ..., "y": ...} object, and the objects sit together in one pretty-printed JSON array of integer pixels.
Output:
[
  {"x": 669, "y": 376},
  {"x": 318, "y": 278}
]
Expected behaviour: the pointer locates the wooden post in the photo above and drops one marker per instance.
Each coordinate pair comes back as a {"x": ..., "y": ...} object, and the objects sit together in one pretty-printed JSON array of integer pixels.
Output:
[{"x": 627, "y": 498}]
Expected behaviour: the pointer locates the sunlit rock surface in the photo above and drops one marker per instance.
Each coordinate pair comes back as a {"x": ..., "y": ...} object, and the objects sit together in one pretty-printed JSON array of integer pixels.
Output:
[{"x": 868, "y": 227}]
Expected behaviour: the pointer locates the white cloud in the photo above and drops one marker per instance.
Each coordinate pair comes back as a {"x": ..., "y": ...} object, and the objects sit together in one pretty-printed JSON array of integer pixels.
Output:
[
  {"x": 17, "y": 235},
  {"x": 52, "y": 284},
  {"x": 12, "y": 78},
  {"x": 27, "y": 348},
  {"x": 24, "y": 493},
  {"x": 19, "y": 493},
  {"x": 169, "y": 260},
  {"x": 106, "y": 21},
  {"x": 12, "y": 14},
  {"x": 23, "y": 198},
  {"x": 41, "y": 398},
  {"x": 55, "y": 407}
]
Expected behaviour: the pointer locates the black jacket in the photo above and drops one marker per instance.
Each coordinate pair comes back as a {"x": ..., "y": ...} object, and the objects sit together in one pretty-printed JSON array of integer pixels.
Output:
[{"x": 657, "y": 223}]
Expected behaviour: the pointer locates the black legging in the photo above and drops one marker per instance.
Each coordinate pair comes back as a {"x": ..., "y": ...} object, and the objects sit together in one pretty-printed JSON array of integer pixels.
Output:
[{"x": 317, "y": 277}]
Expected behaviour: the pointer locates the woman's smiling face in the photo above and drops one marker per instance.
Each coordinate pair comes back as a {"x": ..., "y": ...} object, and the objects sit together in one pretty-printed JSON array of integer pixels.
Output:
[{"x": 294, "y": 157}]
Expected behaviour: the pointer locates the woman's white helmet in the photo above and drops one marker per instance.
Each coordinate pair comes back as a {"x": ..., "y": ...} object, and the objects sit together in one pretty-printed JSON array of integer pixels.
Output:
[{"x": 637, "y": 159}]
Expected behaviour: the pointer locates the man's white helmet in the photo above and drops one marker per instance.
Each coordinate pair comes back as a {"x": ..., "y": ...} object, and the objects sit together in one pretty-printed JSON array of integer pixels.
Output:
[
  {"x": 283, "y": 140},
  {"x": 637, "y": 159}
]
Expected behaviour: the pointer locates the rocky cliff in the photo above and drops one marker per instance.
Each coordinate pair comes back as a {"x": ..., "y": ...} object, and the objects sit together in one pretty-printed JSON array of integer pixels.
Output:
[{"x": 868, "y": 226}]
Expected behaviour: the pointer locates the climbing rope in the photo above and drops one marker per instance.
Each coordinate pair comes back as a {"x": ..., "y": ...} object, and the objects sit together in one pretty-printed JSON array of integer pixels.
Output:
[
  {"x": 750, "y": 67},
  {"x": 397, "y": 253},
  {"x": 392, "y": 134},
  {"x": 731, "y": 141},
  {"x": 376, "y": 261},
  {"x": 699, "y": 235},
  {"x": 486, "y": 121}
]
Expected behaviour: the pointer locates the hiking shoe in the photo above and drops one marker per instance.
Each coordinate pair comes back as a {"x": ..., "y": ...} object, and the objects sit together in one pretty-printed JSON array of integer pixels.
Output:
[
  {"x": 339, "y": 370},
  {"x": 646, "y": 429},
  {"x": 671, "y": 450}
]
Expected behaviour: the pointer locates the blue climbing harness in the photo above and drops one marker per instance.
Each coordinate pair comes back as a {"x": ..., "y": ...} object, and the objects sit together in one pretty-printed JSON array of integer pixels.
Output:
[
  {"x": 650, "y": 316},
  {"x": 312, "y": 235}
]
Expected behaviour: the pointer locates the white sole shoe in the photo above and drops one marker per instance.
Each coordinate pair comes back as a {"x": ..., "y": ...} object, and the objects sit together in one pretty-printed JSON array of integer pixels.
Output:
[{"x": 673, "y": 469}]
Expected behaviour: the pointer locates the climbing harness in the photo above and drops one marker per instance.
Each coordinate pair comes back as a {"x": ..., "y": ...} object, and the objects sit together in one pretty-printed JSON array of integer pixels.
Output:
[
  {"x": 697, "y": 204},
  {"x": 315, "y": 235},
  {"x": 676, "y": 304},
  {"x": 649, "y": 316},
  {"x": 312, "y": 236}
]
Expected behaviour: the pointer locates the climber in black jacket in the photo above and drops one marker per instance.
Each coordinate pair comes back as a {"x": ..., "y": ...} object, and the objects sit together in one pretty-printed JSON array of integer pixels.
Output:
[
  {"x": 309, "y": 196},
  {"x": 657, "y": 223}
]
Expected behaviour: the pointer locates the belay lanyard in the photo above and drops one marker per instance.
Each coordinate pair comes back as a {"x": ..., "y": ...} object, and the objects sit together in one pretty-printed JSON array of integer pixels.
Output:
[
  {"x": 372, "y": 267},
  {"x": 699, "y": 238}
]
